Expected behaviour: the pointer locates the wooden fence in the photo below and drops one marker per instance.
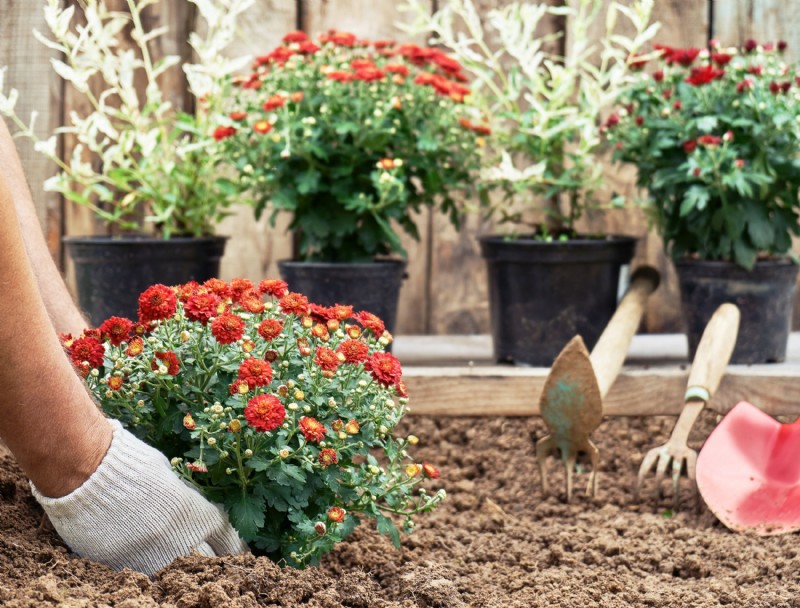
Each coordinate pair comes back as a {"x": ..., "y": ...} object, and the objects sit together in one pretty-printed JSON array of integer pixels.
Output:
[{"x": 446, "y": 292}]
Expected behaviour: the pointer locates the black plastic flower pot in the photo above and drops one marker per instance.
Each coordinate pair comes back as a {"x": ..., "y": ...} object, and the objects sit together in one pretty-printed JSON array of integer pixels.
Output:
[
  {"x": 764, "y": 295},
  {"x": 543, "y": 294},
  {"x": 372, "y": 286},
  {"x": 111, "y": 272}
]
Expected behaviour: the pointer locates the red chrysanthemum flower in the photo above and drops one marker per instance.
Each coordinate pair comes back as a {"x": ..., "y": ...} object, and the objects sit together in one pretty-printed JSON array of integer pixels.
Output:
[
  {"x": 339, "y": 76},
  {"x": 115, "y": 383},
  {"x": 658, "y": 75},
  {"x": 135, "y": 347},
  {"x": 296, "y": 97},
  {"x": 750, "y": 45},
  {"x": 89, "y": 350},
  {"x": 704, "y": 75},
  {"x": 274, "y": 287},
  {"x": 327, "y": 457},
  {"x": 709, "y": 140},
  {"x": 227, "y": 328},
  {"x": 383, "y": 44},
  {"x": 274, "y": 102},
  {"x": 238, "y": 116},
  {"x": 251, "y": 301},
  {"x": 384, "y": 368},
  {"x": 684, "y": 57},
  {"x": 116, "y": 330},
  {"x": 371, "y": 322},
  {"x": 264, "y": 413},
  {"x": 321, "y": 331},
  {"x": 326, "y": 359},
  {"x": 239, "y": 387},
  {"x": 362, "y": 64},
  {"x": 295, "y": 36},
  {"x": 156, "y": 303},
  {"x": 168, "y": 359},
  {"x": 238, "y": 287},
  {"x": 320, "y": 313},
  {"x": 369, "y": 75},
  {"x": 198, "y": 466},
  {"x": 294, "y": 304},
  {"x": 187, "y": 290},
  {"x": 269, "y": 329},
  {"x": 402, "y": 390},
  {"x": 313, "y": 430},
  {"x": 689, "y": 146},
  {"x": 262, "y": 127},
  {"x": 340, "y": 38},
  {"x": 202, "y": 307},
  {"x": 396, "y": 68},
  {"x": 354, "y": 351},
  {"x": 336, "y": 514},
  {"x": 219, "y": 287},
  {"x": 256, "y": 372},
  {"x": 721, "y": 59},
  {"x": 307, "y": 48},
  {"x": 221, "y": 133},
  {"x": 447, "y": 63},
  {"x": 430, "y": 471}
]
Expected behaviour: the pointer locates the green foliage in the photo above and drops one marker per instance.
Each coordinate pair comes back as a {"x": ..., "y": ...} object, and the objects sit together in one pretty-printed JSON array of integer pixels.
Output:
[
  {"x": 291, "y": 493},
  {"x": 716, "y": 140},
  {"x": 352, "y": 139}
]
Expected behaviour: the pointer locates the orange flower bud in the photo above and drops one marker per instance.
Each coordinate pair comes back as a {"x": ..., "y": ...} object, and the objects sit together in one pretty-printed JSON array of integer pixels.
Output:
[
  {"x": 235, "y": 426},
  {"x": 413, "y": 470},
  {"x": 337, "y": 425},
  {"x": 333, "y": 324},
  {"x": 188, "y": 422},
  {"x": 336, "y": 514},
  {"x": 352, "y": 427}
]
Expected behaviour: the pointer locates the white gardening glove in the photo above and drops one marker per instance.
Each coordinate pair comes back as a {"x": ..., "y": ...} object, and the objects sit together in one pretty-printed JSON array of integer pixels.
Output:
[{"x": 135, "y": 512}]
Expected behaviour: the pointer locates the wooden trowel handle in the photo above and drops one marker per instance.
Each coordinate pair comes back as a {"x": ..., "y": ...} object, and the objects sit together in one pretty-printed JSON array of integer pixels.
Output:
[
  {"x": 609, "y": 353},
  {"x": 715, "y": 348}
]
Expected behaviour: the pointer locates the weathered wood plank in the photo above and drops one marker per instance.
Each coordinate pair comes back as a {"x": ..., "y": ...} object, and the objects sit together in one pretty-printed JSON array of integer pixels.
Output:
[
  {"x": 255, "y": 247},
  {"x": 763, "y": 20},
  {"x": 683, "y": 24},
  {"x": 379, "y": 21},
  {"x": 459, "y": 285},
  {"x": 29, "y": 71},
  {"x": 652, "y": 383}
]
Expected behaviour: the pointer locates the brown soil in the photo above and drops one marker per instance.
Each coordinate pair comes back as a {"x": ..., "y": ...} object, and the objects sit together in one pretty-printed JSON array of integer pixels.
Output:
[{"x": 495, "y": 542}]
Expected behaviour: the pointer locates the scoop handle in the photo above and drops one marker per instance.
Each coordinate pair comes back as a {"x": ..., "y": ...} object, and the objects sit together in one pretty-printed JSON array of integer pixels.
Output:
[
  {"x": 612, "y": 347},
  {"x": 715, "y": 349}
]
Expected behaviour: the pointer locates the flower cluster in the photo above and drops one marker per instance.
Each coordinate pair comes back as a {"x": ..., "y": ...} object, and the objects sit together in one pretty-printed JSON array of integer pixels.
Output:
[
  {"x": 280, "y": 409},
  {"x": 715, "y": 136},
  {"x": 350, "y": 136},
  {"x": 138, "y": 162}
]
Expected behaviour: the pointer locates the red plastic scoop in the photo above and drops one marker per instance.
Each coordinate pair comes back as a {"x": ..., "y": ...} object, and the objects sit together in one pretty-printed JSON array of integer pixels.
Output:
[{"x": 748, "y": 472}]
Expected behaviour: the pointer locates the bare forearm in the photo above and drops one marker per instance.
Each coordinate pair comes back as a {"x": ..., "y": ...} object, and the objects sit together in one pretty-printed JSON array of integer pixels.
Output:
[{"x": 64, "y": 315}]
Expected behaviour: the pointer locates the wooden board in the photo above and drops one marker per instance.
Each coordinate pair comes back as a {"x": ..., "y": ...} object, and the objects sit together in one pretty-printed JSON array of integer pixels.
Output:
[
  {"x": 683, "y": 24},
  {"x": 459, "y": 284},
  {"x": 652, "y": 383},
  {"x": 379, "y": 21},
  {"x": 29, "y": 71},
  {"x": 255, "y": 247}
]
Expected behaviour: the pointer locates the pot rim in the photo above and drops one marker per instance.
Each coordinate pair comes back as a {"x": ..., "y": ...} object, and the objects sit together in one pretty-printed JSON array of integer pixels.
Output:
[
  {"x": 374, "y": 263},
  {"x": 139, "y": 239},
  {"x": 581, "y": 241},
  {"x": 783, "y": 261}
]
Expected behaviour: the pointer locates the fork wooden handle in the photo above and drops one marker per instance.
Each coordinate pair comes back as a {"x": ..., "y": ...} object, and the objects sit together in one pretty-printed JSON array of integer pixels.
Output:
[
  {"x": 715, "y": 349},
  {"x": 612, "y": 347}
]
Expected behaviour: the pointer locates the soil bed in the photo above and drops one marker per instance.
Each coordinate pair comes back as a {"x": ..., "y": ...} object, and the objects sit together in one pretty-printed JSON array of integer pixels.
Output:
[{"x": 495, "y": 542}]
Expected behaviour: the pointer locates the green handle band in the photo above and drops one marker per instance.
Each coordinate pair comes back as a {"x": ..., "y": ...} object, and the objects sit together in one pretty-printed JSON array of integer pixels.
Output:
[{"x": 697, "y": 392}]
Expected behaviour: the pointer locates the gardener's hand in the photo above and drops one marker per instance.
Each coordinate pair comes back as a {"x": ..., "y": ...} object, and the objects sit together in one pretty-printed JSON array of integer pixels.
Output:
[{"x": 135, "y": 512}]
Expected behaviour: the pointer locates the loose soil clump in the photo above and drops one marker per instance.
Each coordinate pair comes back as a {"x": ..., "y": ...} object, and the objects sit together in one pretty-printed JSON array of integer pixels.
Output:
[{"x": 495, "y": 542}]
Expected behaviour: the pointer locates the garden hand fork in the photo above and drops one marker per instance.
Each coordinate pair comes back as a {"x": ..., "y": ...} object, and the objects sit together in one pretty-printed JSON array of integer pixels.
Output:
[
  {"x": 571, "y": 404},
  {"x": 710, "y": 361}
]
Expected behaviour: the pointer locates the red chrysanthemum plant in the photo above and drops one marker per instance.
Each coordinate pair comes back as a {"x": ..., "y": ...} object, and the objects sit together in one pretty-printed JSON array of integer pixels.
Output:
[
  {"x": 280, "y": 409},
  {"x": 352, "y": 137},
  {"x": 714, "y": 134}
]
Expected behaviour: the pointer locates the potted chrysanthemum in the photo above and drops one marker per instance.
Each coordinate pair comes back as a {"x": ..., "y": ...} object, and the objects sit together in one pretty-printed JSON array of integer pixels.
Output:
[
  {"x": 715, "y": 137},
  {"x": 281, "y": 410},
  {"x": 546, "y": 160},
  {"x": 351, "y": 138}
]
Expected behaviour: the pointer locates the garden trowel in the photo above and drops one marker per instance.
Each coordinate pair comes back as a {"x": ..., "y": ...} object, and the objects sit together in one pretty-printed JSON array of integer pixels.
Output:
[
  {"x": 572, "y": 398},
  {"x": 748, "y": 472}
]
